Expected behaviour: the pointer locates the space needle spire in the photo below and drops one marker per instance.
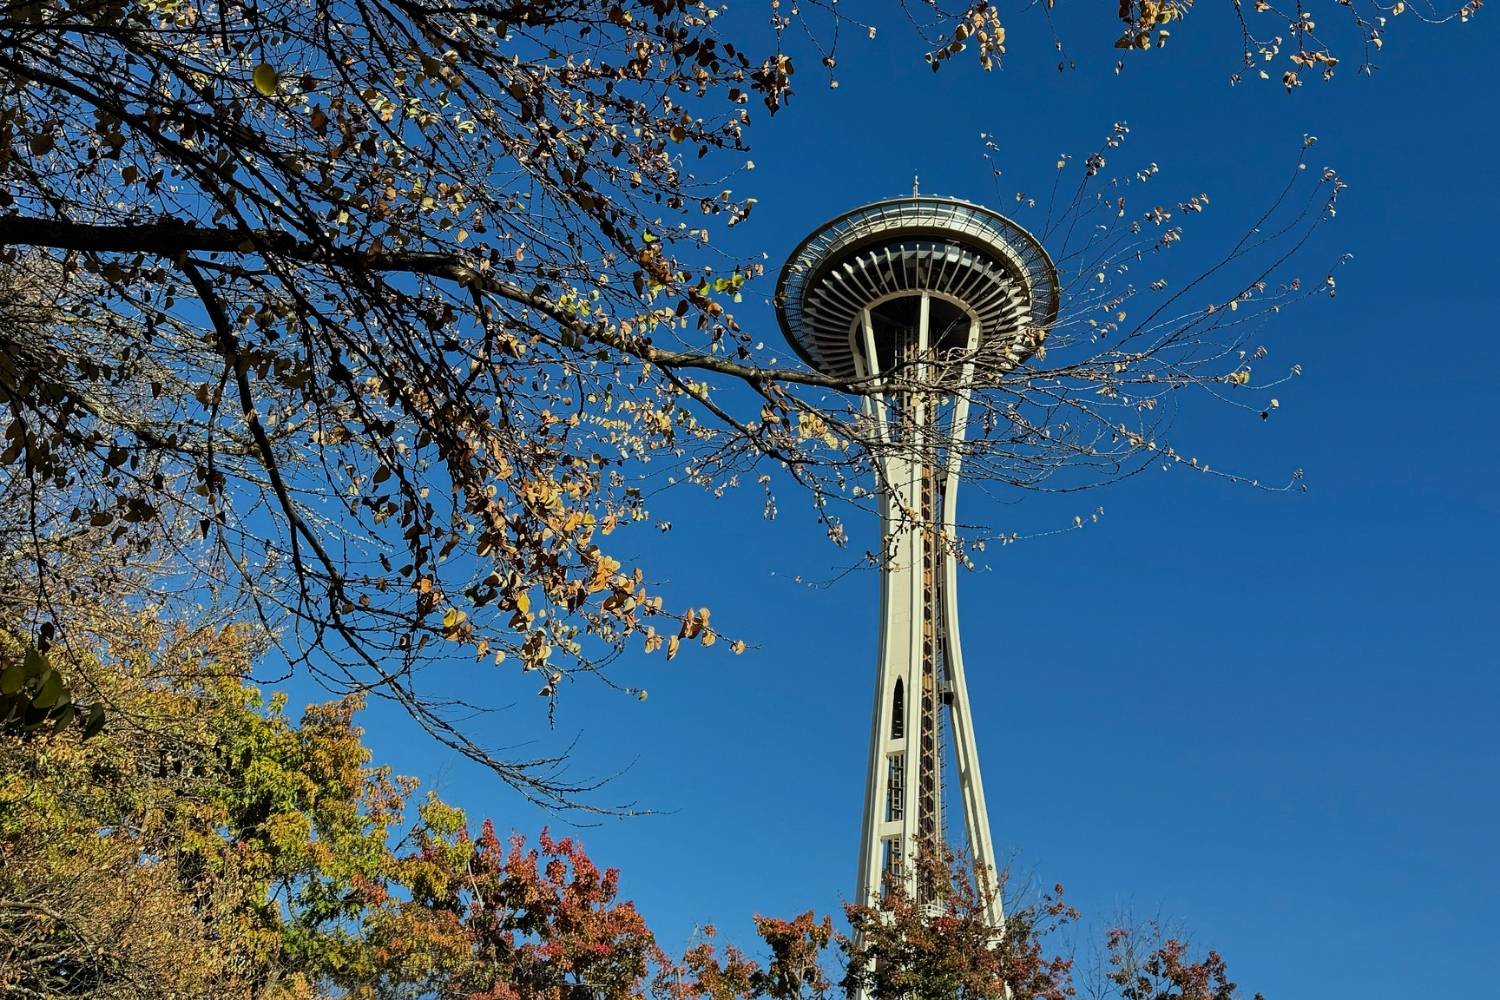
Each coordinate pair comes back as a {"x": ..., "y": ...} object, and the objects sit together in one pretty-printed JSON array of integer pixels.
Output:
[{"x": 909, "y": 298}]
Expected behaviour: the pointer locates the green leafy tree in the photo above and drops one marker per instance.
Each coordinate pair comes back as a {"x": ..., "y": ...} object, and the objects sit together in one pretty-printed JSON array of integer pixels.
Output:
[{"x": 199, "y": 821}]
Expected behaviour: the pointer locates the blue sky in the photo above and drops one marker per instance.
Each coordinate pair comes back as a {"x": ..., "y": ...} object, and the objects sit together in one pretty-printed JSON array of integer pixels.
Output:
[{"x": 1270, "y": 717}]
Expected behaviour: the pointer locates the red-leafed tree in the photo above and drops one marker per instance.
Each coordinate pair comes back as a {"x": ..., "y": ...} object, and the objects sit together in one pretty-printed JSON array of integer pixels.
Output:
[
  {"x": 1145, "y": 963},
  {"x": 490, "y": 920},
  {"x": 935, "y": 939}
]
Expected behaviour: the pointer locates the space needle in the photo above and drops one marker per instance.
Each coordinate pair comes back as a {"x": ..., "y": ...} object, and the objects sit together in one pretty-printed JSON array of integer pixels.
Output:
[{"x": 917, "y": 301}]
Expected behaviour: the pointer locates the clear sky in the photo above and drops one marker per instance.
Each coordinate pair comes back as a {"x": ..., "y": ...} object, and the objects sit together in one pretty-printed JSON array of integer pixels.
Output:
[{"x": 1271, "y": 717}]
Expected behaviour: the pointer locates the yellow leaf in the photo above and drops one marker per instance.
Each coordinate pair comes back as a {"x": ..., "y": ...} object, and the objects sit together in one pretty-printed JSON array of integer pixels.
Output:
[{"x": 266, "y": 80}]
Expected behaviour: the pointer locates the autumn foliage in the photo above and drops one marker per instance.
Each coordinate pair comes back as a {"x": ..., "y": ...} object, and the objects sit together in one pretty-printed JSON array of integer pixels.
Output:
[
  {"x": 204, "y": 842},
  {"x": 365, "y": 323},
  {"x": 374, "y": 318}
]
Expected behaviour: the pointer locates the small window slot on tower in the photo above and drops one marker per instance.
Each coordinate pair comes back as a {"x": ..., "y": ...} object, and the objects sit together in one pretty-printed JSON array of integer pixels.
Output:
[{"x": 898, "y": 711}]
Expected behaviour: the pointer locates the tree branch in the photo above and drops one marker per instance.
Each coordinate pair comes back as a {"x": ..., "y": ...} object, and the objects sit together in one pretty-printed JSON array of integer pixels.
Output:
[{"x": 172, "y": 238}]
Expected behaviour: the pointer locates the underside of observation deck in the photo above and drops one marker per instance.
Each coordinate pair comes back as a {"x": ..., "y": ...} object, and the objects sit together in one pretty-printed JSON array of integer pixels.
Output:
[{"x": 952, "y": 249}]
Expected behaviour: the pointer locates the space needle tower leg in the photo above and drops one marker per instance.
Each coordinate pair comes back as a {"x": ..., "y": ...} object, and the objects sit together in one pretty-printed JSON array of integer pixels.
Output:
[{"x": 966, "y": 753}]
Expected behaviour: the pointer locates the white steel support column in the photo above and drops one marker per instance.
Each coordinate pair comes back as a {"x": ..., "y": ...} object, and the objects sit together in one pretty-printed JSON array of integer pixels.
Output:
[
  {"x": 966, "y": 754},
  {"x": 889, "y": 835}
]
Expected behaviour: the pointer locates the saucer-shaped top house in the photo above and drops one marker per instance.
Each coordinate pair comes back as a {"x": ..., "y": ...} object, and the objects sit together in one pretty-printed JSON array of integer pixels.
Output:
[{"x": 972, "y": 262}]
